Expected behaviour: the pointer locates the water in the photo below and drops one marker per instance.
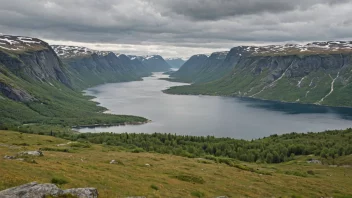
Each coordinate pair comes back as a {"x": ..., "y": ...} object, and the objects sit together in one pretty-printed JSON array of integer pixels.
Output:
[{"x": 210, "y": 115}]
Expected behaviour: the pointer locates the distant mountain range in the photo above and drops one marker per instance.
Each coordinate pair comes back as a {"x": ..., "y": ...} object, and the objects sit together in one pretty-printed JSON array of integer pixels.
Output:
[{"x": 175, "y": 62}]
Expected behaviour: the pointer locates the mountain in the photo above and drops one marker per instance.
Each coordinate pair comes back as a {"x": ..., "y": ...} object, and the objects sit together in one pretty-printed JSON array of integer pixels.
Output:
[
  {"x": 190, "y": 68},
  {"x": 39, "y": 92},
  {"x": 155, "y": 63},
  {"x": 201, "y": 68},
  {"x": 318, "y": 73},
  {"x": 96, "y": 67},
  {"x": 175, "y": 62}
]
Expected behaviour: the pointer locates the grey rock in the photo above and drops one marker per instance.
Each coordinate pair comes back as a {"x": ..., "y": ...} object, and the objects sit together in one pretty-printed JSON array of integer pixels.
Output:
[
  {"x": 31, "y": 190},
  {"x": 82, "y": 192},
  {"x": 9, "y": 157},
  {"x": 113, "y": 162},
  {"x": 314, "y": 161},
  {"x": 33, "y": 153},
  {"x": 35, "y": 190}
]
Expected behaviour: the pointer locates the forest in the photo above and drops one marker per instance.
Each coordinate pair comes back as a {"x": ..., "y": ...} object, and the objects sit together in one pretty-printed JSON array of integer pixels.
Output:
[{"x": 273, "y": 149}]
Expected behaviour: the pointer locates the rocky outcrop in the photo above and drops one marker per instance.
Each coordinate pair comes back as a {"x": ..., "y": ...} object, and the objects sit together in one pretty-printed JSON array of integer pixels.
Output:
[
  {"x": 33, "y": 153},
  {"x": 82, "y": 192},
  {"x": 35, "y": 190},
  {"x": 15, "y": 94}
]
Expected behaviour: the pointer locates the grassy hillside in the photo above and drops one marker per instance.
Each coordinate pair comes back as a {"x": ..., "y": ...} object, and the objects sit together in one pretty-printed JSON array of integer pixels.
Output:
[
  {"x": 85, "y": 164},
  {"x": 38, "y": 92}
]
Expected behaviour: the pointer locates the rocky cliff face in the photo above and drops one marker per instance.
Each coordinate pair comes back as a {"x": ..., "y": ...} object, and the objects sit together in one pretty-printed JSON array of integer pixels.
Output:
[
  {"x": 31, "y": 60},
  {"x": 318, "y": 73},
  {"x": 96, "y": 67}
]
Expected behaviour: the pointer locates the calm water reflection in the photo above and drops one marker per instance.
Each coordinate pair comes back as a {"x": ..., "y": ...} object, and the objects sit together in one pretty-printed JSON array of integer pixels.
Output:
[{"x": 210, "y": 115}]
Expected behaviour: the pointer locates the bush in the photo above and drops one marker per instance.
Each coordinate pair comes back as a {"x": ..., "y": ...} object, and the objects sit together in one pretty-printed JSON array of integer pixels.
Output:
[
  {"x": 190, "y": 178},
  {"x": 197, "y": 194},
  {"x": 310, "y": 172},
  {"x": 154, "y": 187},
  {"x": 58, "y": 181}
]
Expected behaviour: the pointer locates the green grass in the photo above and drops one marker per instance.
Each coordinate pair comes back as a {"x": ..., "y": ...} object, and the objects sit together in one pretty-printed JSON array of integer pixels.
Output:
[{"x": 91, "y": 168}]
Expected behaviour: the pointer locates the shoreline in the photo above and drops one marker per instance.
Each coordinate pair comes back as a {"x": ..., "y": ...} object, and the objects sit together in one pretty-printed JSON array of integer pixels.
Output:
[
  {"x": 75, "y": 128},
  {"x": 260, "y": 99}
]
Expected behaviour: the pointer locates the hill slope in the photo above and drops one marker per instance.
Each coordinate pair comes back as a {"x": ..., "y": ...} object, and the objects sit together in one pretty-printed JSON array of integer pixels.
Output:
[
  {"x": 318, "y": 73},
  {"x": 200, "y": 68},
  {"x": 38, "y": 89},
  {"x": 78, "y": 164}
]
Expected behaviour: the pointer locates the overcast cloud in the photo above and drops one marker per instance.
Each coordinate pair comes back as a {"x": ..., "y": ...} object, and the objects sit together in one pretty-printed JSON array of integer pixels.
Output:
[{"x": 176, "y": 28}]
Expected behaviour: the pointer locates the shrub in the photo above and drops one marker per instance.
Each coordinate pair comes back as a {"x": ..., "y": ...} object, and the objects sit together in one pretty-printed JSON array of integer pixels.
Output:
[
  {"x": 154, "y": 187},
  {"x": 55, "y": 149},
  {"x": 197, "y": 194},
  {"x": 310, "y": 172},
  {"x": 58, "y": 181},
  {"x": 190, "y": 178}
]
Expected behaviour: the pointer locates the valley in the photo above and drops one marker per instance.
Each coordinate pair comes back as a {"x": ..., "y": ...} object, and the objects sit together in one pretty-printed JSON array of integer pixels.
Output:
[
  {"x": 81, "y": 109},
  {"x": 239, "y": 118}
]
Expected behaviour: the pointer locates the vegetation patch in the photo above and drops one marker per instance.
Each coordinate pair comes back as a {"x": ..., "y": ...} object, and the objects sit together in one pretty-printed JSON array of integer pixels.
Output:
[
  {"x": 198, "y": 194},
  {"x": 65, "y": 150},
  {"x": 59, "y": 180},
  {"x": 189, "y": 178},
  {"x": 154, "y": 187}
]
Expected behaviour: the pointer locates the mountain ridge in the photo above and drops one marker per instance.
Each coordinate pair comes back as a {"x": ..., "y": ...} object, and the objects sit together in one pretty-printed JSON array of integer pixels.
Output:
[{"x": 318, "y": 74}]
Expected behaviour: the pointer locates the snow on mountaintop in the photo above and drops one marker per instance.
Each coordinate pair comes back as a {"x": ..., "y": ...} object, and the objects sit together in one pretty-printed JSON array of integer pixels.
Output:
[
  {"x": 64, "y": 51},
  {"x": 20, "y": 43},
  {"x": 310, "y": 48}
]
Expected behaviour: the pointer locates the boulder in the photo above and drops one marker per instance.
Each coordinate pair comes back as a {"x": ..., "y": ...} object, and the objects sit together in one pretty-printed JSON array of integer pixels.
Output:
[
  {"x": 33, "y": 153},
  {"x": 113, "y": 162},
  {"x": 9, "y": 157},
  {"x": 82, "y": 192},
  {"x": 31, "y": 190},
  {"x": 35, "y": 190}
]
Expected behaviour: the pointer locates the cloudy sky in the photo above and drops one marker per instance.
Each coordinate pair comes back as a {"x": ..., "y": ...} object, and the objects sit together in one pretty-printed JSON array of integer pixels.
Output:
[{"x": 176, "y": 28}]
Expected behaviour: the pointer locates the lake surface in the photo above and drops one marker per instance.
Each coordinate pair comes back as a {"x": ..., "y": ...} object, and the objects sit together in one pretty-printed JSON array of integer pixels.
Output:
[{"x": 210, "y": 115}]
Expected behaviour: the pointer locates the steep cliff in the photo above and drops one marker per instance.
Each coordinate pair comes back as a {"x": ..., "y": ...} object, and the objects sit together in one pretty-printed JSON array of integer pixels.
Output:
[
  {"x": 318, "y": 73},
  {"x": 39, "y": 89},
  {"x": 95, "y": 67}
]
